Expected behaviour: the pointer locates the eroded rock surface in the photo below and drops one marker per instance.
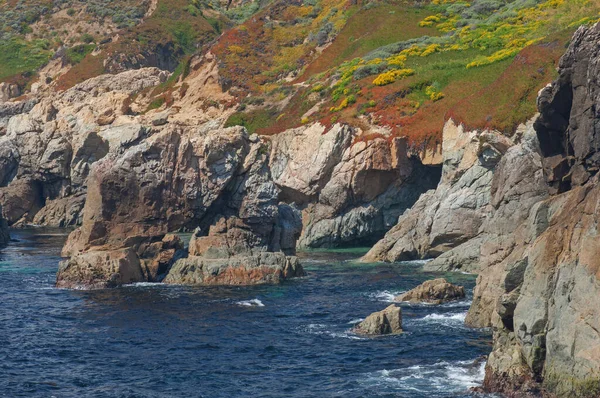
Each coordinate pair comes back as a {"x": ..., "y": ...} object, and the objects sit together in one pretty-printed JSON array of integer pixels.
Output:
[
  {"x": 545, "y": 314},
  {"x": 350, "y": 191},
  {"x": 436, "y": 291},
  {"x": 387, "y": 321},
  {"x": 4, "y": 236},
  {"x": 453, "y": 213},
  {"x": 47, "y": 147},
  {"x": 217, "y": 181}
]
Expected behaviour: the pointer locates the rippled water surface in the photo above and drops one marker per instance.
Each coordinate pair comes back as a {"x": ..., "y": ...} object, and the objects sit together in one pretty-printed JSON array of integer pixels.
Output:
[{"x": 293, "y": 340}]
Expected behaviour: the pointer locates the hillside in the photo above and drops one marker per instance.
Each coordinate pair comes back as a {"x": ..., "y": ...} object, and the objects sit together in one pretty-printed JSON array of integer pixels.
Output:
[
  {"x": 390, "y": 67},
  {"x": 96, "y": 37},
  {"x": 403, "y": 66}
]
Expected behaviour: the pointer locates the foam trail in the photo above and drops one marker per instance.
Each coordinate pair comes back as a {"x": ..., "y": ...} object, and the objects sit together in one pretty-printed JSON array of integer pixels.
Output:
[{"x": 251, "y": 303}]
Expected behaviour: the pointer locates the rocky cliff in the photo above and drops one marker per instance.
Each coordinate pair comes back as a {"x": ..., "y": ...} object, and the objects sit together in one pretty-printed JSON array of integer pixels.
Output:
[
  {"x": 48, "y": 146},
  {"x": 532, "y": 237},
  {"x": 546, "y": 320},
  {"x": 350, "y": 191}
]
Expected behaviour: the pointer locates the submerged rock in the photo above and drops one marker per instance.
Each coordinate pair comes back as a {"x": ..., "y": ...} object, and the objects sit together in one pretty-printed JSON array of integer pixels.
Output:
[
  {"x": 387, "y": 321},
  {"x": 4, "y": 236},
  {"x": 436, "y": 291}
]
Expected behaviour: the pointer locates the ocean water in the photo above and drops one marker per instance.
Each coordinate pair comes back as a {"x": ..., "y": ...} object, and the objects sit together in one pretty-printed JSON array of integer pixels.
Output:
[{"x": 291, "y": 340}]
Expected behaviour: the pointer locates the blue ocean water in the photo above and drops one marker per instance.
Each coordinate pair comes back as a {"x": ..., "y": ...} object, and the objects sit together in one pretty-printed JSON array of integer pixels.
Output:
[{"x": 292, "y": 340}]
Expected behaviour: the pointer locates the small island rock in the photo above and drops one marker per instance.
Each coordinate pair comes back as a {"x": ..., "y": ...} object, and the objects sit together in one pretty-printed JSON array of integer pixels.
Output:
[
  {"x": 388, "y": 321},
  {"x": 436, "y": 291}
]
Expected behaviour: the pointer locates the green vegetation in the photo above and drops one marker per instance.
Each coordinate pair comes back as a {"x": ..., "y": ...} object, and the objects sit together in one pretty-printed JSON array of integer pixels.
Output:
[
  {"x": 254, "y": 120},
  {"x": 76, "y": 54},
  {"x": 480, "y": 61},
  {"x": 18, "y": 56}
]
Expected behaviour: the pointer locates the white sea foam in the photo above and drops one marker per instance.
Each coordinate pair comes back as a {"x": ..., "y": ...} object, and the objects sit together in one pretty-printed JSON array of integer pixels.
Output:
[
  {"x": 320, "y": 329},
  {"x": 386, "y": 296},
  {"x": 355, "y": 321},
  {"x": 444, "y": 376},
  {"x": 143, "y": 284},
  {"x": 460, "y": 317},
  {"x": 251, "y": 303}
]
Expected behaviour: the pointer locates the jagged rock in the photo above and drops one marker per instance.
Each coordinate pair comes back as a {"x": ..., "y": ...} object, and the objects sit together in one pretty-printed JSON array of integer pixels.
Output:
[
  {"x": 387, "y": 321},
  {"x": 216, "y": 180},
  {"x": 21, "y": 200},
  {"x": 8, "y": 91},
  {"x": 4, "y": 236},
  {"x": 65, "y": 212},
  {"x": 455, "y": 212},
  {"x": 542, "y": 298},
  {"x": 160, "y": 118},
  {"x": 97, "y": 269},
  {"x": 436, "y": 291},
  {"x": 351, "y": 191},
  {"x": 49, "y": 146}
]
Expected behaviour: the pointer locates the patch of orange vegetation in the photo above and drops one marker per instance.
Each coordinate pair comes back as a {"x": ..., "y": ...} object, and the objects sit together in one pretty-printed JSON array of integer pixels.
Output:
[{"x": 91, "y": 66}]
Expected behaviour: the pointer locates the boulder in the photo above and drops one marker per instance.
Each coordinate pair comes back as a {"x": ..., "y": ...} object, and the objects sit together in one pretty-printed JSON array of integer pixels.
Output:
[
  {"x": 260, "y": 268},
  {"x": 436, "y": 291},
  {"x": 387, "y": 321}
]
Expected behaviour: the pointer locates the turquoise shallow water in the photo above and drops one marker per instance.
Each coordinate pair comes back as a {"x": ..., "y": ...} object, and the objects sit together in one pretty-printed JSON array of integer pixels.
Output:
[{"x": 292, "y": 340}]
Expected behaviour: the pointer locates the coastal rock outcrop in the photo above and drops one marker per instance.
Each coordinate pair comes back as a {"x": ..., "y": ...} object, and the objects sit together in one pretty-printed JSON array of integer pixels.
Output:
[
  {"x": 215, "y": 181},
  {"x": 47, "y": 146},
  {"x": 453, "y": 213},
  {"x": 350, "y": 191},
  {"x": 4, "y": 236},
  {"x": 387, "y": 321},
  {"x": 436, "y": 291},
  {"x": 546, "y": 314}
]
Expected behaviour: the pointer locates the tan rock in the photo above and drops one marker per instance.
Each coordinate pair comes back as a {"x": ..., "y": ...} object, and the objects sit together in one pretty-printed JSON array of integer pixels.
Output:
[
  {"x": 387, "y": 321},
  {"x": 436, "y": 291}
]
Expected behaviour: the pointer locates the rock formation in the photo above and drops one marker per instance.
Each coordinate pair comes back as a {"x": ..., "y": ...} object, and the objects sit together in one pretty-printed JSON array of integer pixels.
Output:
[
  {"x": 181, "y": 177},
  {"x": 351, "y": 191},
  {"x": 546, "y": 317},
  {"x": 532, "y": 236},
  {"x": 47, "y": 147},
  {"x": 387, "y": 321},
  {"x": 436, "y": 291},
  {"x": 4, "y": 236},
  {"x": 453, "y": 213}
]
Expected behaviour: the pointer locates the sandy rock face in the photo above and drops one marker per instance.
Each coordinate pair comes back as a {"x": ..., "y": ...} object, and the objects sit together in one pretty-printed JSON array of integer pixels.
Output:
[
  {"x": 351, "y": 192},
  {"x": 436, "y": 291},
  {"x": 387, "y": 321}
]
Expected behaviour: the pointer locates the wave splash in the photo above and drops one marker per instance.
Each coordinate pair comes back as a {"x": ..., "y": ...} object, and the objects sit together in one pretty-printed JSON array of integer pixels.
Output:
[
  {"x": 251, "y": 303},
  {"x": 456, "y": 376}
]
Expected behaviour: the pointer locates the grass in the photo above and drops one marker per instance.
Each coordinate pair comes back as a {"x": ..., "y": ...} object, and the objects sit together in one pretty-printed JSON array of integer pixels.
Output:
[
  {"x": 18, "y": 56},
  {"x": 76, "y": 54},
  {"x": 481, "y": 65}
]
